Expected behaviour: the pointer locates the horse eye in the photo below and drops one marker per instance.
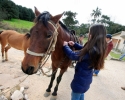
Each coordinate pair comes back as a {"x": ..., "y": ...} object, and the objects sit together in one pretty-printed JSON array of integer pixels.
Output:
[
  {"x": 36, "y": 31},
  {"x": 49, "y": 34}
]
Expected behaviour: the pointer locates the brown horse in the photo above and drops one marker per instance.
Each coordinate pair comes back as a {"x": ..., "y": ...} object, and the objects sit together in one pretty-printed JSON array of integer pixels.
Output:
[
  {"x": 13, "y": 39},
  {"x": 47, "y": 34}
]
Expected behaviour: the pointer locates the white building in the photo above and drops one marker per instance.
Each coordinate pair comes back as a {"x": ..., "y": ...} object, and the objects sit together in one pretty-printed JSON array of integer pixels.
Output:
[{"x": 119, "y": 41}]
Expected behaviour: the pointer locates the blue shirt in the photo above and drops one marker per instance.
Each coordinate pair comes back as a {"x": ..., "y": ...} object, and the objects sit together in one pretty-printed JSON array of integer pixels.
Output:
[{"x": 83, "y": 73}]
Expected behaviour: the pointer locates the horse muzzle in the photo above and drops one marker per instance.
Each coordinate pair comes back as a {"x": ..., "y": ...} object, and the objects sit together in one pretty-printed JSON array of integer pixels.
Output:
[{"x": 29, "y": 70}]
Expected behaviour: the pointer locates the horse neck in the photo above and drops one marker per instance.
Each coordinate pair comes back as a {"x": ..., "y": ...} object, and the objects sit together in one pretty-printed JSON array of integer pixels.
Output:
[{"x": 62, "y": 36}]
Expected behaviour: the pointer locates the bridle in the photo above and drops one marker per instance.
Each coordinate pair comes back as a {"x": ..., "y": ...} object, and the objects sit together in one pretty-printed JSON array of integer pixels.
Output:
[
  {"x": 52, "y": 43},
  {"x": 50, "y": 49}
]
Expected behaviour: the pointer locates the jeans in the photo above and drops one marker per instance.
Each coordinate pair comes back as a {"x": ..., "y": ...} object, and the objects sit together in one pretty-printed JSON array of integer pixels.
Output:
[
  {"x": 77, "y": 96},
  {"x": 96, "y": 71},
  {"x": 122, "y": 56}
]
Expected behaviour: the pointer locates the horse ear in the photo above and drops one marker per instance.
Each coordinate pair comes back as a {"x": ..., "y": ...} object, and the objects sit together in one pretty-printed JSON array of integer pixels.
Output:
[
  {"x": 37, "y": 13},
  {"x": 57, "y": 17}
]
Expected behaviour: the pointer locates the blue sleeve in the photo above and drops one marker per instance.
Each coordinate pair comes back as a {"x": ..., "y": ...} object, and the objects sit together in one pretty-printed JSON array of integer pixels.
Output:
[
  {"x": 71, "y": 54},
  {"x": 77, "y": 46}
]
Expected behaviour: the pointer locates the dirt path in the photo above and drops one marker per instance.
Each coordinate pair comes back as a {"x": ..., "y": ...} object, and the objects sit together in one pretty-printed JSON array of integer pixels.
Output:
[{"x": 106, "y": 86}]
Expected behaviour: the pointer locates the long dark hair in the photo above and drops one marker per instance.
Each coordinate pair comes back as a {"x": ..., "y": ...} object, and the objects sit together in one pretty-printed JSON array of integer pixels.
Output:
[{"x": 96, "y": 46}]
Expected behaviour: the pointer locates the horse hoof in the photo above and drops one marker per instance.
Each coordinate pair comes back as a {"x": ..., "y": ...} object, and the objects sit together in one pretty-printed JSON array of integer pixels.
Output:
[
  {"x": 46, "y": 94},
  {"x": 53, "y": 97},
  {"x": 3, "y": 60},
  {"x": 6, "y": 59}
]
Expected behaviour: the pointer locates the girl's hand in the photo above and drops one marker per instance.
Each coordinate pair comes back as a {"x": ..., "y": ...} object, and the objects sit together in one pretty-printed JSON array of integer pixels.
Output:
[
  {"x": 65, "y": 43},
  {"x": 71, "y": 43}
]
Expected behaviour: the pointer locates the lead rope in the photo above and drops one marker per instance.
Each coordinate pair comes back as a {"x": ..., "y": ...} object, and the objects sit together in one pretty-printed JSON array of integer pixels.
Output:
[
  {"x": 50, "y": 48},
  {"x": 56, "y": 68},
  {"x": 3, "y": 93}
]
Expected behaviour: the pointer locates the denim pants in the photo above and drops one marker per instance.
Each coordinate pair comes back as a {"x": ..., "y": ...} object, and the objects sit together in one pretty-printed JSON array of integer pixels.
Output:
[
  {"x": 96, "y": 71},
  {"x": 77, "y": 96},
  {"x": 122, "y": 56}
]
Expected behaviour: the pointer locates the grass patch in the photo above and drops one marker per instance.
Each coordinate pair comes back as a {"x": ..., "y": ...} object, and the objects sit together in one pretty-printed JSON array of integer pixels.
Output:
[
  {"x": 20, "y": 24},
  {"x": 117, "y": 56},
  {"x": 85, "y": 40},
  {"x": 1, "y": 29}
]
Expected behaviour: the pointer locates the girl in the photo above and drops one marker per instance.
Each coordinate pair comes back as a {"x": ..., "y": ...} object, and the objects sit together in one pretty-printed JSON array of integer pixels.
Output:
[{"x": 89, "y": 57}]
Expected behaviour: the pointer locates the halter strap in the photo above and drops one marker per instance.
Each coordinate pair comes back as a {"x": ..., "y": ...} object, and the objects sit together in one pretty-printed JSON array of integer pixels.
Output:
[
  {"x": 51, "y": 45},
  {"x": 34, "y": 53}
]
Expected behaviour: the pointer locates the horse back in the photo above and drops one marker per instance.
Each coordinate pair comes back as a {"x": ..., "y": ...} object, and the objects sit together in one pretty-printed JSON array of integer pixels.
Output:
[{"x": 13, "y": 38}]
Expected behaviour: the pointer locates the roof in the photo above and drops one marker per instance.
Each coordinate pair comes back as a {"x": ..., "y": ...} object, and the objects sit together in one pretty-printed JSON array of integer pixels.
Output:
[{"x": 117, "y": 33}]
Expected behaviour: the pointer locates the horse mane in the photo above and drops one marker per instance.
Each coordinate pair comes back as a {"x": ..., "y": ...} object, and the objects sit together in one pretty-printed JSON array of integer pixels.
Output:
[
  {"x": 45, "y": 17},
  {"x": 73, "y": 32},
  {"x": 64, "y": 27},
  {"x": 27, "y": 35},
  {"x": 1, "y": 32}
]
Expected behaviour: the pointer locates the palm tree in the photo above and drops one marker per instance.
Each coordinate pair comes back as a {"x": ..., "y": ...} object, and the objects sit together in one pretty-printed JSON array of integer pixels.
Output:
[
  {"x": 96, "y": 13},
  {"x": 93, "y": 21}
]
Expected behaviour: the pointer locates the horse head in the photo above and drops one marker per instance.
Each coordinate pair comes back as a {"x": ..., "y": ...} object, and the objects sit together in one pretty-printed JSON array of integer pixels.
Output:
[{"x": 42, "y": 38}]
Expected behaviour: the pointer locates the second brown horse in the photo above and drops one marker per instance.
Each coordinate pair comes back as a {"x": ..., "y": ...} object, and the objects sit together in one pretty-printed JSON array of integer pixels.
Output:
[{"x": 11, "y": 38}]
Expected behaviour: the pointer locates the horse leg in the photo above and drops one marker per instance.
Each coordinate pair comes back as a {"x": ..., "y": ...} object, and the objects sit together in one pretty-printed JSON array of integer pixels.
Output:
[
  {"x": 54, "y": 94},
  {"x": 2, "y": 51},
  {"x": 6, "y": 49},
  {"x": 48, "y": 90}
]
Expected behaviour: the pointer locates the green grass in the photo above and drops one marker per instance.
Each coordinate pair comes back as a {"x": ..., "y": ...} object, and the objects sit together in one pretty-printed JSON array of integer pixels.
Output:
[
  {"x": 85, "y": 40},
  {"x": 17, "y": 23},
  {"x": 117, "y": 56},
  {"x": 1, "y": 29}
]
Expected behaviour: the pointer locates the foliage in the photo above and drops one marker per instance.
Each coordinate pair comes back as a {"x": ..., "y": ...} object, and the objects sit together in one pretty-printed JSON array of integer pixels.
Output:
[
  {"x": 114, "y": 27},
  {"x": 111, "y": 27},
  {"x": 70, "y": 19},
  {"x": 9, "y": 10},
  {"x": 17, "y": 25},
  {"x": 82, "y": 29},
  {"x": 85, "y": 40},
  {"x": 104, "y": 20},
  {"x": 26, "y": 13},
  {"x": 96, "y": 13},
  {"x": 115, "y": 55}
]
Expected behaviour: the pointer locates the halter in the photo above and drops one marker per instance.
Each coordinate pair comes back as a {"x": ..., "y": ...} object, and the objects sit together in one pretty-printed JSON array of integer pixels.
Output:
[
  {"x": 51, "y": 48},
  {"x": 52, "y": 44}
]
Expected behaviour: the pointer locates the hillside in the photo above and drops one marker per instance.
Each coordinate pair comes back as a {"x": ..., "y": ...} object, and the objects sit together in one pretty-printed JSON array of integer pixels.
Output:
[{"x": 16, "y": 24}]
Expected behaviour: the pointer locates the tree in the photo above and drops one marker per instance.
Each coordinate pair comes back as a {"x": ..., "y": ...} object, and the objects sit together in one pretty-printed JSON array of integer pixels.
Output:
[
  {"x": 70, "y": 19},
  {"x": 9, "y": 8},
  {"x": 84, "y": 28},
  {"x": 26, "y": 13},
  {"x": 113, "y": 28},
  {"x": 95, "y": 13},
  {"x": 32, "y": 15},
  {"x": 105, "y": 19}
]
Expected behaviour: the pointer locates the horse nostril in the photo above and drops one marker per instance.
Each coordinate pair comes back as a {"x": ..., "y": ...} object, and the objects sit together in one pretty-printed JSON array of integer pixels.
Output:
[{"x": 30, "y": 70}]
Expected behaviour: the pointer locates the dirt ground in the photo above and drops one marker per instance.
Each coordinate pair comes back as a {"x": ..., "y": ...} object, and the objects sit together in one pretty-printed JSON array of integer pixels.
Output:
[{"x": 105, "y": 86}]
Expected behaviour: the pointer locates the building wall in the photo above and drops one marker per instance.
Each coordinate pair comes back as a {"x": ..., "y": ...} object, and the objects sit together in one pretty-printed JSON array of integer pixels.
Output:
[{"x": 120, "y": 43}]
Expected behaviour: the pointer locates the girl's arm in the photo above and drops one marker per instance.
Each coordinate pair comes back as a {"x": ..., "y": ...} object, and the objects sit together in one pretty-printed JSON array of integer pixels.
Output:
[
  {"x": 77, "y": 46},
  {"x": 71, "y": 54}
]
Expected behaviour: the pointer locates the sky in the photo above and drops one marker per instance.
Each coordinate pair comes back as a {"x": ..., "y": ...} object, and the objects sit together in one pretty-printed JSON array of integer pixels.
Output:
[{"x": 115, "y": 9}]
